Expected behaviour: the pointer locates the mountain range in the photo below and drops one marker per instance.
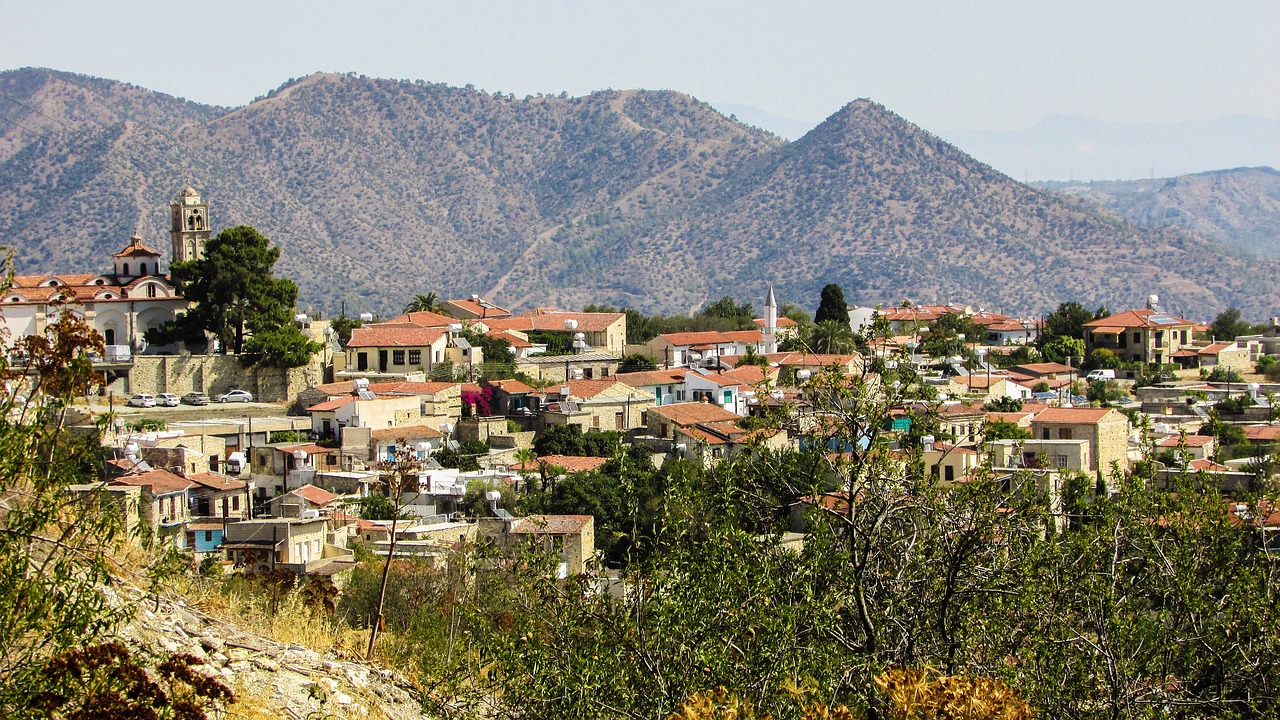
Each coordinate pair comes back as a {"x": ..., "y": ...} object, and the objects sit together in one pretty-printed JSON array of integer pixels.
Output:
[
  {"x": 1241, "y": 206},
  {"x": 379, "y": 189}
]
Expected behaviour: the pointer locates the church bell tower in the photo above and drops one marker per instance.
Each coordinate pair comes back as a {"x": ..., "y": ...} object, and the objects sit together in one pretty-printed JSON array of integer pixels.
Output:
[{"x": 189, "y": 228}]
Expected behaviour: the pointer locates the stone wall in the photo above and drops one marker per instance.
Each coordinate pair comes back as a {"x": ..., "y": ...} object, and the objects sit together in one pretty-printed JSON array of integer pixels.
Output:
[{"x": 216, "y": 374}]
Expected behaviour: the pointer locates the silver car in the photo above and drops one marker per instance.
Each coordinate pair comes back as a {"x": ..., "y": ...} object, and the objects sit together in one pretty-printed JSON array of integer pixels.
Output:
[
  {"x": 236, "y": 396},
  {"x": 167, "y": 400}
]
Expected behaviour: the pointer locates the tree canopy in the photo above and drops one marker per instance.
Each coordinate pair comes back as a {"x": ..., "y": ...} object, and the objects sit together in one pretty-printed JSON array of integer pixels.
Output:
[
  {"x": 832, "y": 305},
  {"x": 1229, "y": 324},
  {"x": 235, "y": 296}
]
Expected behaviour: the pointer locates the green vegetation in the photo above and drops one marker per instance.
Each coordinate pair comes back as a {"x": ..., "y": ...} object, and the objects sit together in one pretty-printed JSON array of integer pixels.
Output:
[
  {"x": 636, "y": 362},
  {"x": 832, "y": 306},
  {"x": 58, "y": 658},
  {"x": 571, "y": 440},
  {"x": 238, "y": 300}
]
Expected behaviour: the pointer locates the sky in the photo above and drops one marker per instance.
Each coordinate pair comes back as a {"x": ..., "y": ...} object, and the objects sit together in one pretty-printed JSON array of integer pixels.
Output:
[{"x": 982, "y": 65}]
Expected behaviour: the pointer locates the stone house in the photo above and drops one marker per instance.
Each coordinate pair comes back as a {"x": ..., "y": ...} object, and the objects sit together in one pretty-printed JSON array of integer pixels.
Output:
[
  {"x": 602, "y": 332},
  {"x": 1145, "y": 336},
  {"x": 302, "y": 502},
  {"x": 607, "y": 404},
  {"x": 298, "y": 544},
  {"x": 1105, "y": 429},
  {"x": 214, "y": 495},
  {"x": 572, "y": 537},
  {"x": 163, "y": 503}
]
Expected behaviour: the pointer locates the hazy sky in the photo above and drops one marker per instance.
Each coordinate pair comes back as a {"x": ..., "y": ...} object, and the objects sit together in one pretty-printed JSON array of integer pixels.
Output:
[{"x": 979, "y": 64}]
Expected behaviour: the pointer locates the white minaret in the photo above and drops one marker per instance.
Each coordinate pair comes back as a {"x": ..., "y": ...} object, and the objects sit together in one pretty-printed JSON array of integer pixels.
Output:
[{"x": 770, "y": 323}]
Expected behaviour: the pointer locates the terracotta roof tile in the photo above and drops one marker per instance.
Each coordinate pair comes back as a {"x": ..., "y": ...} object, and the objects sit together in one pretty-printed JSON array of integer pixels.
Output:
[
  {"x": 687, "y": 414},
  {"x": 395, "y": 335},
  {"x": 161, "y": 482},
  {"x": 408, "y": 432},
  {"x": 1072, "y": 415},
  {"x": 313, "y": 495},
  {"x": 552, "y": 524},
  {"x": 572, "y": 463},
  {"x": 1136, "y": 319},
  {"x": 426, "y": 318},
  {"x": 554, "y": 321},
  {"x": 217, "y": 481}
]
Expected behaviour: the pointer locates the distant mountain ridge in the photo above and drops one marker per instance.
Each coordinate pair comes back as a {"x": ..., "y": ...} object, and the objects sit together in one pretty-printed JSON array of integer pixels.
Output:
[
  {"x": 1240, "y": 206},
  {"x": 1064, "y": 147},
  {"x": 377, "y": 189}
]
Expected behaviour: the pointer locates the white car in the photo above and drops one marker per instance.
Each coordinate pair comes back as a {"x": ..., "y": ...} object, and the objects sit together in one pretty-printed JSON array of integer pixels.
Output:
[
  {"x": 143, "y": 400},
  {"x": 236, "y": 396},
  {"x": 167, "y": 400}
]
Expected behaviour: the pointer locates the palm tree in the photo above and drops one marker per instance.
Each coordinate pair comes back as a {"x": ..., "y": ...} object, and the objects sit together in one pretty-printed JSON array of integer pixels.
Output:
[
  {"x": 424, "y": 303},
  {"x": 833, "y": 337}
]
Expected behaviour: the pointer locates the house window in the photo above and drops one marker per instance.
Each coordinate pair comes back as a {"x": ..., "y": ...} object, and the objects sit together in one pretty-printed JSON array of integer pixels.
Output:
[
  {"x": 588, "y": 373},
  {"x": 657, "y": 394},
  {"x": 717, "y": 452},
  {"x": 125, "y": 268},
  {"x": 1060, "y": 460},
  {"x": 679, "y": 396},
  {"x": 437, "y": 356},
  {"x": 235, "y": 502},
  {"x": 1044, "y": 434},
  {"x": 1137, "y": 338},
  {"x": 1159, "y": 338},
  {"x": 604, "y": 372},
  {"x": 415, "y": 357},
  {"x": 151, "y": 290},
  {"x": 397, "y": 357},
  {"x": 208, "y": 536},
  {"x": 949, "y": 473},
  {"x": 644, "y": 417},
  {"x": 362, "y": 361},
  {"x": 728, "y": 397},
  {"x": 1064, "y": 433}
]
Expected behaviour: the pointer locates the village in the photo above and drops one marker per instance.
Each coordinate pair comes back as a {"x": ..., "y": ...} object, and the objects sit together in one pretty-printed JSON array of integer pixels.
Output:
[{"x": 256, "y": 469}]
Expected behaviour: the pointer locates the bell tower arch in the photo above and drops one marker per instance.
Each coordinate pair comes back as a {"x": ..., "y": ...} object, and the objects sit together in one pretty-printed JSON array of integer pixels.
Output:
[{"x": 189, "y": 225}]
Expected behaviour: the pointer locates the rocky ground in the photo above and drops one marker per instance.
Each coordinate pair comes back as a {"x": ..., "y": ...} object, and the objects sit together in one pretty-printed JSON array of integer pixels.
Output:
[{"x": 272, "y": 679}]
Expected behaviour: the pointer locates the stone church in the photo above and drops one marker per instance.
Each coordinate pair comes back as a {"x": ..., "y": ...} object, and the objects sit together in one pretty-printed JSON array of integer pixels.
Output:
[{"x": 134, "y": 296}]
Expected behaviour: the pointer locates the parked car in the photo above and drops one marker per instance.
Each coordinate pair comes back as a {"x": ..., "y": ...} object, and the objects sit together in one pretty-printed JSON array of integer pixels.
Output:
[
  {"x": 236, "y": 396},
  {"x": 167, "y": 400},
  {"x": 143, "y": 400},
  {"x": 195, "y": 398}
]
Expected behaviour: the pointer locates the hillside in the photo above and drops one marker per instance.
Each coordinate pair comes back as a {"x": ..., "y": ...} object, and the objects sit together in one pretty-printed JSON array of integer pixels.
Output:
[
  {"x": 1241, "y": 207},
  {"x": 377, "y": 189}
]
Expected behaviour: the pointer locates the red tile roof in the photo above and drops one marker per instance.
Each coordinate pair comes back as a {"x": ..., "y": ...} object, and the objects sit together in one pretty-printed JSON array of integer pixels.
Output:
[
  {"x": 687, "y": 414},
  {"x": 1072, "y": 415},
  {"x": 513, "y": 340},
  {"x": 408, "y": 432},
  {"x": 395, "y": 335},
  {"x": 554, "y": 320},
  {"x": 1191, "y": 441},
  {"x": 510, "y": 385},
  {"x": 426, "y": 318},
  {"x": 488, "y": 311},
  {"x": 552, "y": 524},
  {"x": 647, "y": 378},
  {"x": 572, "y": 463},
  {"x": 161, "y": 482},
  {"x": 782, "y": 322},
  {"x": 331, "y": 405},
  {"x": 314, "y": 495},
  {"x": 1048, "y": 368},
  {"x": 1266, "y": 433},
  {"x": 1136, "y": 319},
  {"x": 702, "y": 337},
  {"x": 217, "y": 481}
]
